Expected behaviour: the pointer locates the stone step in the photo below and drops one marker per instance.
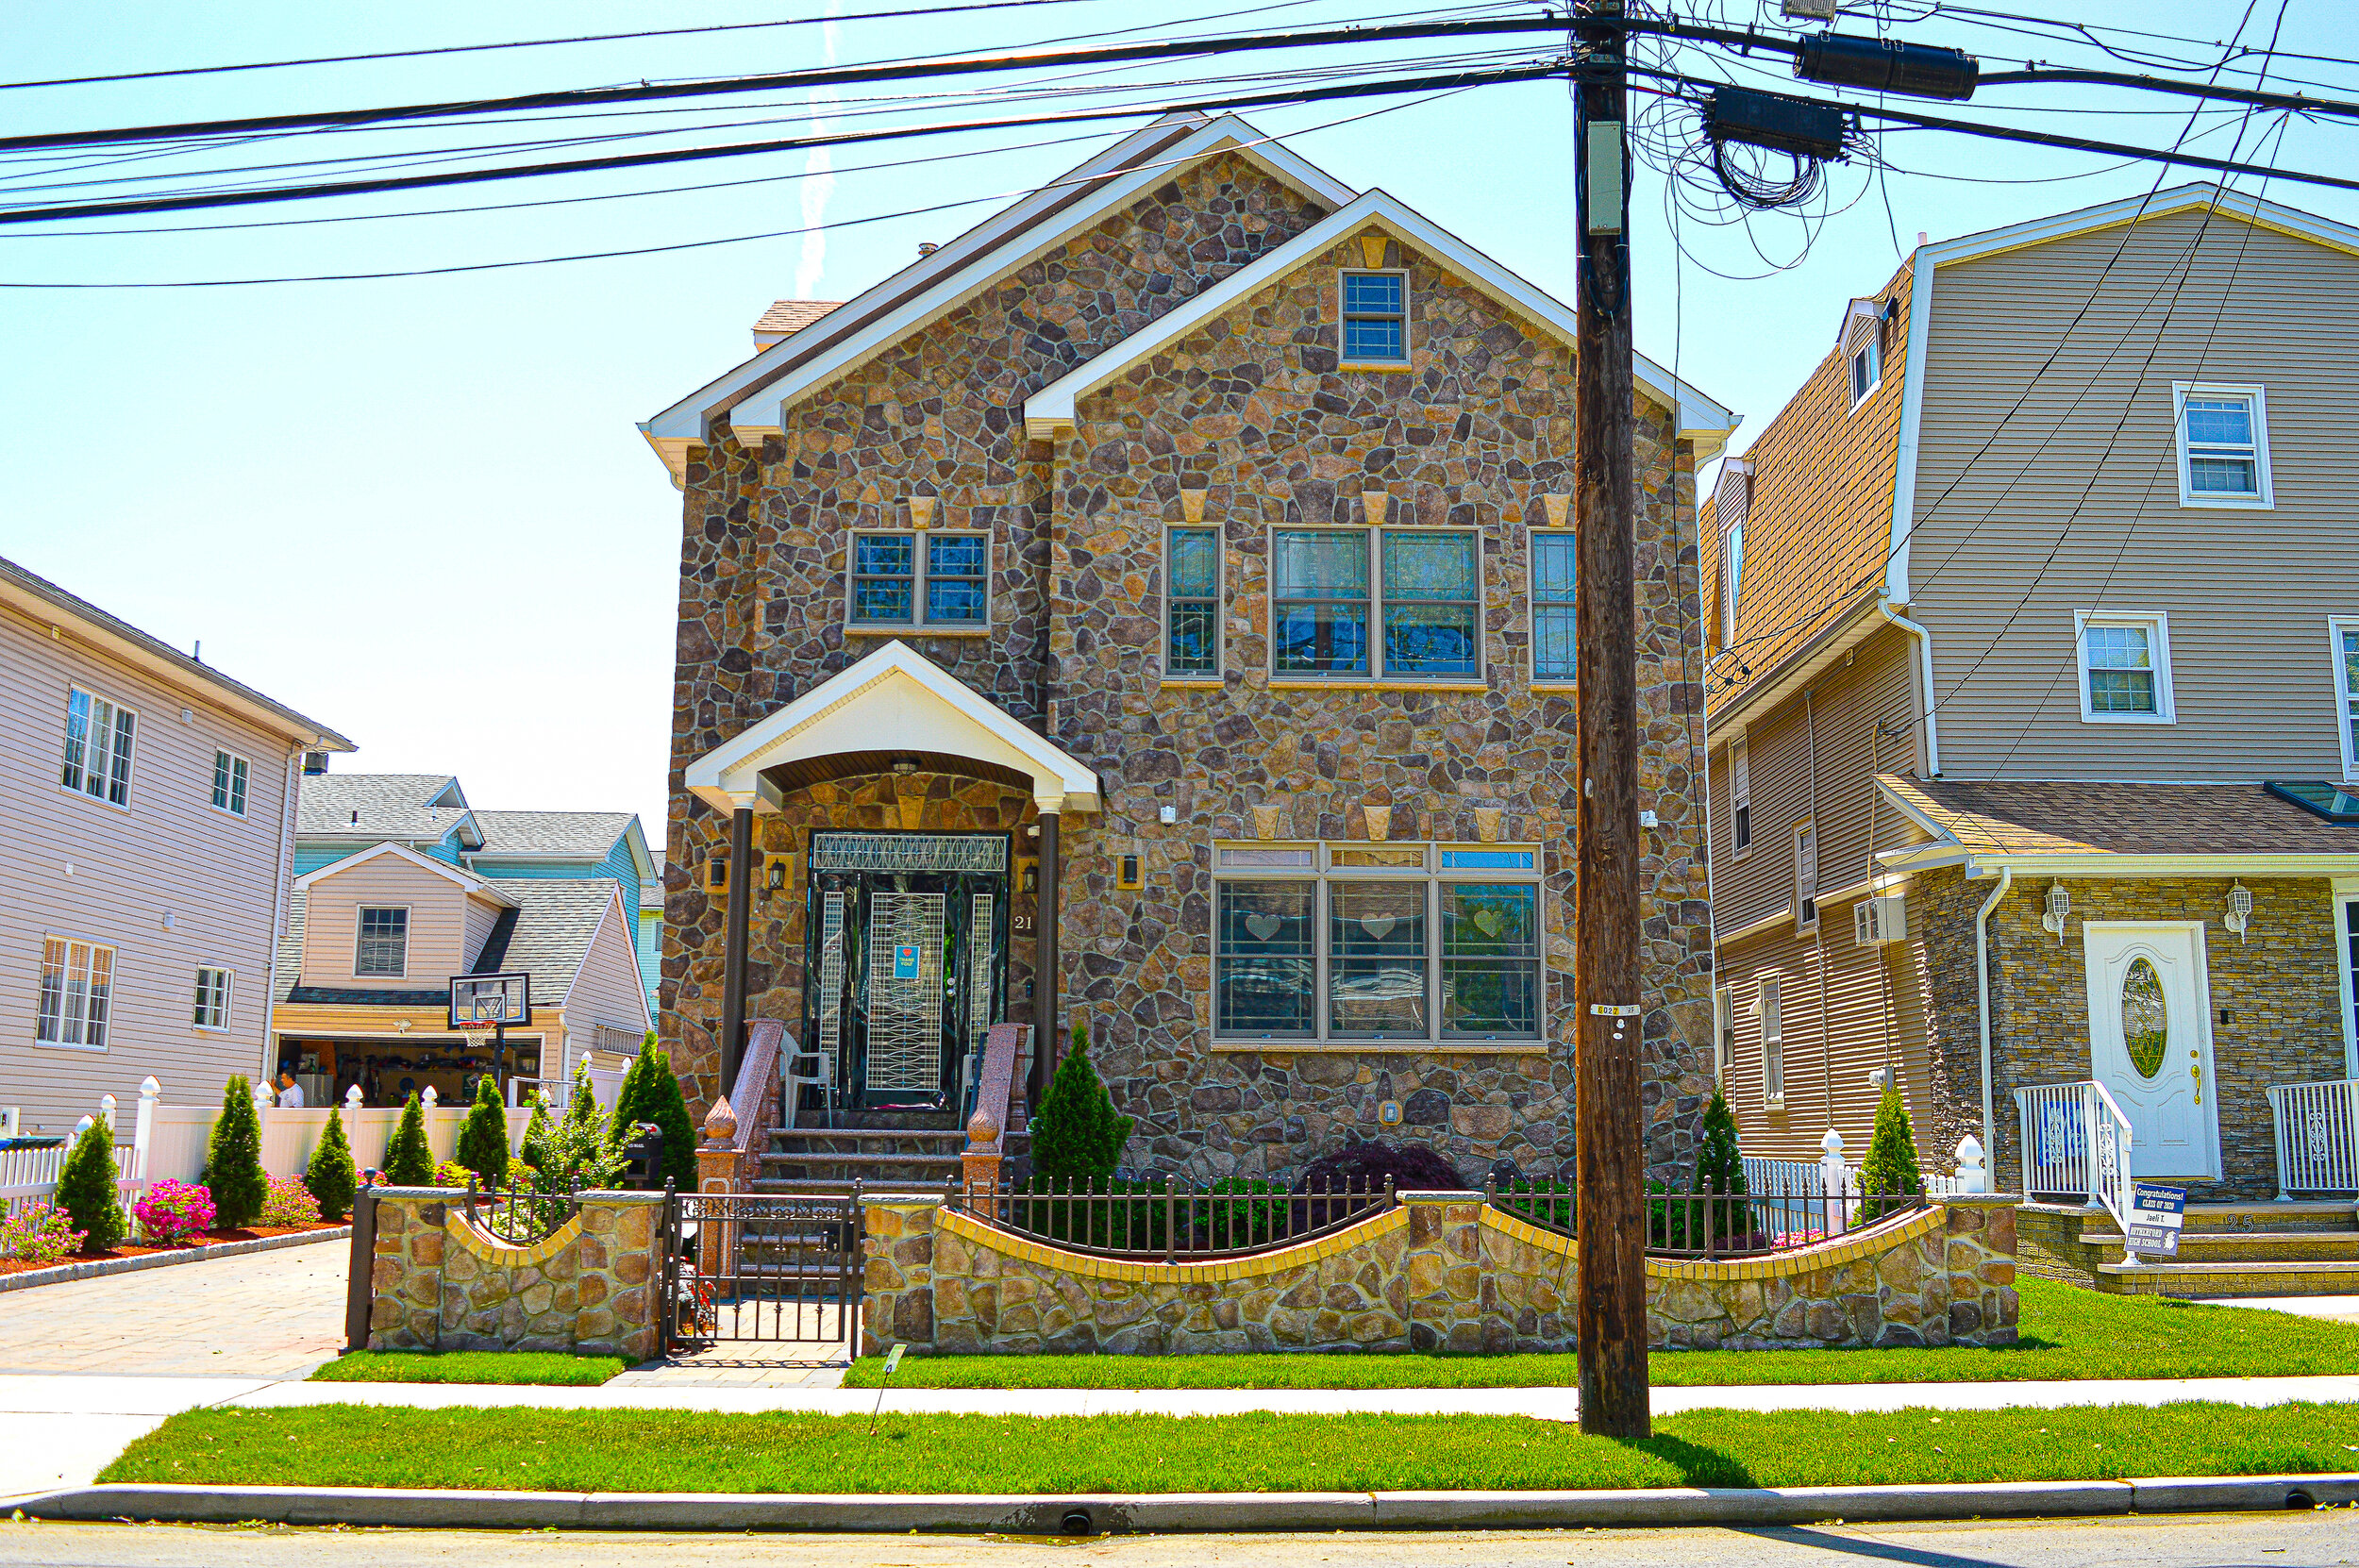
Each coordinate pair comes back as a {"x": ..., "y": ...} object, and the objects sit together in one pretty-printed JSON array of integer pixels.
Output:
[
  {"x": 2244, "y": 1246},
  {"x": 842, "y": 1185},
  {"x": 874, "y": 1135},
  {"x": 882, "y": 1160},
  {"x": 2231, "y": 1279},
  {"x": 2273, "y": 1217}
]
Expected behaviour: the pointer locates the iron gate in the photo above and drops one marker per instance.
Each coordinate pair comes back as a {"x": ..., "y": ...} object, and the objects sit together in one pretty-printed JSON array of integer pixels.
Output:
[{"x": 748, "y": 1268}]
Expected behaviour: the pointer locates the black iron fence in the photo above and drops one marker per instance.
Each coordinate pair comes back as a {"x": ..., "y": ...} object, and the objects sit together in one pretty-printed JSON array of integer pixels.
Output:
[
  {"x": 1157, "y": 1219},
  {"x": 520, "y": 1215},
  {"x": 1712, "y": 1224}
]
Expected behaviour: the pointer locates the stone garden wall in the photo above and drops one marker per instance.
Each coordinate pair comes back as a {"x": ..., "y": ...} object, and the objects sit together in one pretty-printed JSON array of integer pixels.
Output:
[
  {"x": 1440, "y": 1272},
  {"x": 590, "y": 1288}
]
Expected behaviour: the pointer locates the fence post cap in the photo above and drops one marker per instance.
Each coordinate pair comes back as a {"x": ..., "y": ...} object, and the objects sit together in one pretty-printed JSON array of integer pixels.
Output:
[
  {"x": 149, "y": 1088},
  {"x": 106, "y": 1101},
  {"x": 428, "y": 1097},
  {"x": 1969, "y": 1150},
  {"x": 352, "y": 1096},
  {"x": 84, "y": 1125},
  {"x": 1833, "y": 1143}
]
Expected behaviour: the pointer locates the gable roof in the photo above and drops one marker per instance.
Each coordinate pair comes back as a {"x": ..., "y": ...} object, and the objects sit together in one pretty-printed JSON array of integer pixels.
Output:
[
  {"x": 479, "y": 885},
  {"x": 586, "y": 835},
  {"x": 546, "y": 931},
  {"x": 37, "y": 598},
  {"x": 2118, "y": 829},
  {"x": 1051, "y": 408},
  {"x": 378, "y": 805},
  {"x": 787, "y": 317}
]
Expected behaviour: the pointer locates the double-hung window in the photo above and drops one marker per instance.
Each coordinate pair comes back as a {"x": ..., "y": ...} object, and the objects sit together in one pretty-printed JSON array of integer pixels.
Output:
[
  {"x": 911, "y": 580},
  {"x": 97, "y": 748},
  {"x": 1191, "y": 602},
  {"x": 2125, "y": 668},
  {"x": 1867, "y": 367},
  {"x": 1741, "y": 794},
  {"x": 232, "y": 773},
  {"x": 1332, "y": 587},
  {"x": 2224, "y": 445},
  {"x": 1806, "y": 876},
  {"x": 211, "y": 1010},
  {"x": 383, "y": 947},
  {"x": 1378, "y": 942},
  {"x": 76, "y": 985},
  {"x": 1376, "y": 319},
  {"x": 1553, "y": 575},
  {"x": 1770, "y": 1005},
  {"x": 2346, "y": 637}
]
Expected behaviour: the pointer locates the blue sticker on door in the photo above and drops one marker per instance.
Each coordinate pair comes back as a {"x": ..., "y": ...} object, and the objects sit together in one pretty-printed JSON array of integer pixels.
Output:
[{"x": 905, "y": 960}]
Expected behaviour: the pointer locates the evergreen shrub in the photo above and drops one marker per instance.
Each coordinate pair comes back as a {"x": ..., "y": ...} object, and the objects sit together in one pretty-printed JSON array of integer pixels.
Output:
[
  {"x": 233, "y": 1158},
  {"x": 85, "y": 1190},
  {"x": 408, "y": 1159},
  {"x": 331, "y": 1177}
]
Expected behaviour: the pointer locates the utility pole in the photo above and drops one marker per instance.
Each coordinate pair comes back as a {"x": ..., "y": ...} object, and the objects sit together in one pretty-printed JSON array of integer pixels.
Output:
[{"x": 1610, "y": 1312}]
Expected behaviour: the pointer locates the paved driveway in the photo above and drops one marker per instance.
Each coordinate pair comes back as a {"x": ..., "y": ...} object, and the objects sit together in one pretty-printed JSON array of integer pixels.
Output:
[{"x": 263, "y": 1314}]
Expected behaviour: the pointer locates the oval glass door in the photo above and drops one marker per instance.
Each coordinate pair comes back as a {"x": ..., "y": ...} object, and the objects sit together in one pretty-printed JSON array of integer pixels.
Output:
[{"x": 2145, "y": 1017}]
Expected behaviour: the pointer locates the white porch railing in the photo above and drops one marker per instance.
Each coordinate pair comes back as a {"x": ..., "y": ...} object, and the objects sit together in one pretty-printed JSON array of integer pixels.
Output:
[
  {"x": 2318, "y": 1136},
  {"x": 2076, "y": 1141}
]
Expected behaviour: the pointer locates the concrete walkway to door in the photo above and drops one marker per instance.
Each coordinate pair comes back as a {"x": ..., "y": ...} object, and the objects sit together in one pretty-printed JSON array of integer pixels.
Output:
[{"x": 264, "y": 1314}]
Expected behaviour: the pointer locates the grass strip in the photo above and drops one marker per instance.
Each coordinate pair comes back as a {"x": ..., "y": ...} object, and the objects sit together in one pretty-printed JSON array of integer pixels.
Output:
[
  {"x": 346, "y": 1445},
  {"x": 2068, "y": 1333},
  {"x": 471, "y": 1366}
]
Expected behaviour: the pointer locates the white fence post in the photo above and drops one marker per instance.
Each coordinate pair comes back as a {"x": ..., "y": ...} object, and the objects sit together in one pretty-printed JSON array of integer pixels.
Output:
[
  {"x": 107, "y": 1110},
  {"x": 1972, "y": 1175},
  {"x": 1833, "y": 1179},
  {"x": 144, "y": 1131}
]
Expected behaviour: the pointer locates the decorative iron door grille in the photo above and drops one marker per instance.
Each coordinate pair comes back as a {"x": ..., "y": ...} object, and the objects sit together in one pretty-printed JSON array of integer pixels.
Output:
[
  {"x": 905, "y": 996},
  {"x": 748, "y": 1268}
]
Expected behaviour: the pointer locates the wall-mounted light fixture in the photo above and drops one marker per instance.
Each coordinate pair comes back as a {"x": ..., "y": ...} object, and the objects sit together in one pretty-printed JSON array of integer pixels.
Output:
[
  {"x": 2059, "y": 905},
  {"x": 905, "y": 765},
  {"x": 2239, "y": 910}
]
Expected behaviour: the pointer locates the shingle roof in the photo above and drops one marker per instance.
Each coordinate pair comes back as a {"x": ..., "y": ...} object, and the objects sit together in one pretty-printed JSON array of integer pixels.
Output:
[
  {"x": 790, "y": 316},
  {"x": 589, "y": 834},
  {"x": 389, "y": 805},
  {"x": 548, "y": 938},
  {"x": 2012, "y": 817}
]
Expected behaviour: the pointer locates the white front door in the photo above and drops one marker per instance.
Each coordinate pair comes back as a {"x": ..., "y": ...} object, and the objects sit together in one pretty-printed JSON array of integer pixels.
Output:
[{"x": 2151, "y": 1040}]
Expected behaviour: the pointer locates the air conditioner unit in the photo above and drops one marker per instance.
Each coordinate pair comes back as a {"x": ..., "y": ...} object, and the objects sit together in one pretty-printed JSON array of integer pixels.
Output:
[{"x": 1880, "y": 919}]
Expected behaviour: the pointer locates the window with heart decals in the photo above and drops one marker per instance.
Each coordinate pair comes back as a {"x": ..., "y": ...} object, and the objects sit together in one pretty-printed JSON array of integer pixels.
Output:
[
  {"x": 1265, "y": 958},
  {"x": 1376, "y": 976}
]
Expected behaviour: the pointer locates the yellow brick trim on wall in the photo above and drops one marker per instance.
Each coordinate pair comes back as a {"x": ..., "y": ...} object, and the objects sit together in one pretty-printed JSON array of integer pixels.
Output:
[
  {"x": 1871, "y": 1243},
  {"x": 491, "y": 1249},
  {"x": 1211, "y": 1272}
]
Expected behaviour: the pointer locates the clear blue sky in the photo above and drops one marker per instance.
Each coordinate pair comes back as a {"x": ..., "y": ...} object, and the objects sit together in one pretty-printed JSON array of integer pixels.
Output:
[{"x": 418, "y": 510}]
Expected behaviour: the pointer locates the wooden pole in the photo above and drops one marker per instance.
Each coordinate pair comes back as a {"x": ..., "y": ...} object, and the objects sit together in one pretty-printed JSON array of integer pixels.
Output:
[{"x": 1612, "y": 1163}]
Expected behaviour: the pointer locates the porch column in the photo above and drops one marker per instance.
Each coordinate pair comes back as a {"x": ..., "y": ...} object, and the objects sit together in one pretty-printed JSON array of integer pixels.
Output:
[
  {"x": 1045, "y": 913},
  {"x": 733, "y": 945}
]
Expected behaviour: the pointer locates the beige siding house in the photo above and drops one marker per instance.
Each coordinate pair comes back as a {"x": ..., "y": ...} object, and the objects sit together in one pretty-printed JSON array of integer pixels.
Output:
[
  {"x": 2043, "y": 621},
  {"x": 145, "y": 822}
]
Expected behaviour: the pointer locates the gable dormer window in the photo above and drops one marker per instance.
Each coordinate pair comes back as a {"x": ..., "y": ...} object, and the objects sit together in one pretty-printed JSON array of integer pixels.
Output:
[
  {"x": 1867, "y": 367},
  {"x": 1376, "y": 319}
]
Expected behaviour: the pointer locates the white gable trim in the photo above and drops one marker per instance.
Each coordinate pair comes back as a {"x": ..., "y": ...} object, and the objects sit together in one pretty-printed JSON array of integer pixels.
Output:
[
  {"x": 896, "y": 699},
  {"x": 2197, "y": 197},
  {"x": 1051, "y": 408},
  {"x": 448, "y": 873}
]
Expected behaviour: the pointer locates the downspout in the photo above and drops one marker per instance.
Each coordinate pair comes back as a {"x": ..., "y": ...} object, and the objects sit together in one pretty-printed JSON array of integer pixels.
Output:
[
  {"x": 1925, "y": 676},
  {"x": 1982, "y": 988},
  {"x": 279, "y": 908}
]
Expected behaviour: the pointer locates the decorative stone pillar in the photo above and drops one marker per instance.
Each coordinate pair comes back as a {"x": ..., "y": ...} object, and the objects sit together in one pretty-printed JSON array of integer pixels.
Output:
[
  {"x": 1444, "y": 1264},
  {"x": 898, "y": 1279}
]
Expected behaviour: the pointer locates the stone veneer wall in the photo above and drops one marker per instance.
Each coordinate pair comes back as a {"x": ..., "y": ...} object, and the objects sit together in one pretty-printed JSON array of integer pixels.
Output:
[
  {"x": 590, "y": 1287},
  {"x": 1253, "y": 416},
  {"x": 1440, "y": 1272},
  {"x": 2275, "y": 1007}
]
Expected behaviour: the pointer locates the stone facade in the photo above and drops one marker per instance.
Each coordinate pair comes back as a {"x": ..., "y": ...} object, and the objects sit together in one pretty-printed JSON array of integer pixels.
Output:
[
  {"x": 1250, "y": 424},
  {"x": 590, "y": 1288},
  {"x": 1440, "y": 1272},
  {"x": 2275, "y": 1011}
]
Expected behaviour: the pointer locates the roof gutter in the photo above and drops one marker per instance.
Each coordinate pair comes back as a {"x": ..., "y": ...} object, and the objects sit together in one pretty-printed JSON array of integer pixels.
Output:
[
  {"x": 1799, "y": 667},
  {"x": 1924, "y": 641}
]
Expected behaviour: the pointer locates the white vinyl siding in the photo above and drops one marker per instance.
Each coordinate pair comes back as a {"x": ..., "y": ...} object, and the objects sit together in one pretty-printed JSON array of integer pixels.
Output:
[
  {"x": 2125, "y": 668},
  {"x": 98, "y": 740},
  {"x": 2224, "y": 445},
  {"x": 76, "y": 991},
  {"x": 439, "y": 916},
  {"x": 211, "y": 1007}
]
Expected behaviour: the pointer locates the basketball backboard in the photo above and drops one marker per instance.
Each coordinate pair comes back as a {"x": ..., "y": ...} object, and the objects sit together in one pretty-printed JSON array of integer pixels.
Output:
[{"x": 491, "y": 998}]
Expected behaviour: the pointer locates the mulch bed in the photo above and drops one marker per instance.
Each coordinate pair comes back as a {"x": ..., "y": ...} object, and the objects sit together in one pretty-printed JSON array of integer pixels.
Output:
[{"x": 132, "y": 1250}]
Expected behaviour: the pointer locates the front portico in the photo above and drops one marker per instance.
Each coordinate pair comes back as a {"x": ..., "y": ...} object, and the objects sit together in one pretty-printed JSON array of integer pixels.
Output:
[{"x": 910, "y": 847}]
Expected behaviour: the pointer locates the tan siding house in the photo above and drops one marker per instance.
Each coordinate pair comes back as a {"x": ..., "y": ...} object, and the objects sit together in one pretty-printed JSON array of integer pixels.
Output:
[{"x": 129, "y": 880}]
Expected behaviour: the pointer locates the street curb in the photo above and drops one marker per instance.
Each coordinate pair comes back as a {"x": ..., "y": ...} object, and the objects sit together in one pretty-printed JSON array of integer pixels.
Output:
[
  {"x": 1105, "y": 1513},
  {"x": 100, "y": 1268}
]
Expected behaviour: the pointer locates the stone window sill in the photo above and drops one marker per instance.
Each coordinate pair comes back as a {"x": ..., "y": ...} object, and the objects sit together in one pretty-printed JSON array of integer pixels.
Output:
[
  {"x": 917, "y": 631},
  {"x": 1381, "y": 367},
  {"x": 1349, "y": 684},
  {"x": 1381, "y": 1048},
  {"x": 1205, "y": 683}
]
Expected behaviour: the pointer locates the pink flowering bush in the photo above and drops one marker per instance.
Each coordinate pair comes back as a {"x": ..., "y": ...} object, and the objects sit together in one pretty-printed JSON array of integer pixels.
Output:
[
  {"x": 174, "y": 1213},
  {"x": 40, "y": 1234},
  {"x": 290, "y": 1203}
]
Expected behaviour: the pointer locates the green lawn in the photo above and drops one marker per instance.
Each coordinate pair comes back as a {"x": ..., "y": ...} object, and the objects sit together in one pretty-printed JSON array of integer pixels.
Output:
[
  {"x": 470, "y": 1366},
  {"x": 2067, "y": 1332},
  {"x": 694, "y": 1451}
]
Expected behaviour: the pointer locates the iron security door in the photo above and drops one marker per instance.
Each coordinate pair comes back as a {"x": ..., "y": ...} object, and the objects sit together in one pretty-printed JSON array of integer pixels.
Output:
[
  {"x": 906, "y": 963},
  {"x": 2151, "y": 1043}
]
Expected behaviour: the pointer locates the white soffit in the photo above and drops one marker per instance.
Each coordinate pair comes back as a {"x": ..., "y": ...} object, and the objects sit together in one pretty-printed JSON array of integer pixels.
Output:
[
  {"x": 896, "y": 699},
  {"x": 1051, "y": 408}
]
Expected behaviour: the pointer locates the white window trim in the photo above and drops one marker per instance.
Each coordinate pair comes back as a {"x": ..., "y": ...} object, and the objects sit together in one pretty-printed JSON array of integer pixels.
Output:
[
  {"x": 228, "y": 998},
  {"x": 407, "y": 924},
  {"x": 918, "y": 624},
  {"x": 1741, "y": 795},
  {"x": 1220, "y": 605},
  {"x": 1766, "y": 986},
  {"x": 1376, "y": 674},
  {"x": 114, "y": 970},
  {"x": 1408, "y": 348},
  {"x": 2210, "y": 501},
  {"x": 1532, "y": 602},
  {"x": 1812, "y": 895},
  {"x": 2335, "y": 627},
  {"x": 1870, "y": 344},
  {"x": 2157, "y": 624},
  {"x": 130, "y": 772},
  {"x": 2345, "y": 983},
  {"x": 1431, "y": 875},
  {"x": 1732, "y": 578},
  {"x": 222, "y": 807}
]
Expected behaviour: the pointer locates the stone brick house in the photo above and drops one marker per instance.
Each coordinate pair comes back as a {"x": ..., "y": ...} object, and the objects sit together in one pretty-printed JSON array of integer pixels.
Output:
[
  {"x": 1151, "y": 610},
  {"x": 2035, "y": 616}
]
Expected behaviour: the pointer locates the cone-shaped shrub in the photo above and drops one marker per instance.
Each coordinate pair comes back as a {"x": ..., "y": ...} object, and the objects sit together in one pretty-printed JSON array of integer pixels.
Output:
[
  {"x": 233, "y": 1158},
  {"x": 1076, "y": 1138},
  {"x": 1890, "y": 1168},
  {"x": 651, "y": 1093},
  {"x": 483, "y": 1138},
  {"x": 1719, "y": 1163},
  {"x": 534, "y": 1151},
  {"x": 409, "y": 1161},
  {"x": 86, "y": 1189},
  {"x": 330, "y": 1177}
]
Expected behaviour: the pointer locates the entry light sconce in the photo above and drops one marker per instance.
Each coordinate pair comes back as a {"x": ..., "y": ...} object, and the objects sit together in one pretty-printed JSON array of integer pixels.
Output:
[
  {"x": 777, "y": 871},
  {"x": 2059, "y": 905},
  {"x": 717, "y": 875},
  {"x": 905, "y": 765},
  {"x": 2239, "y": 910}
]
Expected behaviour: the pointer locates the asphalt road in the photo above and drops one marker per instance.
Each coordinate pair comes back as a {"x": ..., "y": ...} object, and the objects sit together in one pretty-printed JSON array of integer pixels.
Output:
[{"x": 2186, "y": 1541}]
